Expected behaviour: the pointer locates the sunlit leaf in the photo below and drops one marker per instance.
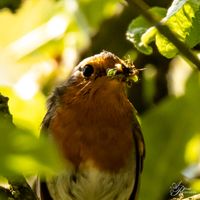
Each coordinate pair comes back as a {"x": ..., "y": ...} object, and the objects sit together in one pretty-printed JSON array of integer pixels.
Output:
[
  {"x": 184, "y": 24},
  {"x": 175, "y": 7},
  {"x": 183, "y": 18}
]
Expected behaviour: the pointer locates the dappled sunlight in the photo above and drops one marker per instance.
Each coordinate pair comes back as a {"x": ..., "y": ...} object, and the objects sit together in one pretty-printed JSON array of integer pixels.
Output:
[
  {"x": 177, "y": 76},
  {"x": 30, "y": 83},
  {"x": 26, "y": 87},
  {"x": 42, "y": 42},
  {"x": 38, "y": 37},
  {"x": 192, "y": 150}
]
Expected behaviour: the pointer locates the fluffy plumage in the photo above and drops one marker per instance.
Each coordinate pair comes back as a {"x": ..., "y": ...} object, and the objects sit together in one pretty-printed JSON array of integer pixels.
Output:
[{"x": 95, "y": 126}]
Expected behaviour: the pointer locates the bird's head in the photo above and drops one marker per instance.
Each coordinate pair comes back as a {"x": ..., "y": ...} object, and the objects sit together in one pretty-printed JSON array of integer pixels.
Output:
[{"x": 101, "y": 74}]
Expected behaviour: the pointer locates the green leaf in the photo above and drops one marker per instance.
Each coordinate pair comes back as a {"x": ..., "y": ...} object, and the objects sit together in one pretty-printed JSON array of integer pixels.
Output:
[
  {"x": 167, "y": 129},
  {"x": 165, "y": 47},
  {"x": 23, "y": 153},
  {"x": 183, "y": 18},
  {"x": 193, "y": 37},
  {"x": 140, "y": 34},
  {"x": 182, "y": 21}
]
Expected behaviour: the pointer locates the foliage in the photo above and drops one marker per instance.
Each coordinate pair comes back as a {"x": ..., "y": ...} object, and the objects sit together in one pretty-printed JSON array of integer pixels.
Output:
[
  {"x": 182, "y": 18},
  {"x": 140, "y": 33},
  {"x": 43, "y": 40},
  {"x": 21, "y": 146},
  {"x": 173, "y": 122}
]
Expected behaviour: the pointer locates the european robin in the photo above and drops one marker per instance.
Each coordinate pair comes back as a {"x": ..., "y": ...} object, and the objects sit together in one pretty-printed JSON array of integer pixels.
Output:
[{"x": 95, "y": 128}]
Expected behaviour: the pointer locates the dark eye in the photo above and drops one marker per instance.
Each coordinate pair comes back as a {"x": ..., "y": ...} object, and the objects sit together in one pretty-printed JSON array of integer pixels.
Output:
[{"x": 88, "y": 70}]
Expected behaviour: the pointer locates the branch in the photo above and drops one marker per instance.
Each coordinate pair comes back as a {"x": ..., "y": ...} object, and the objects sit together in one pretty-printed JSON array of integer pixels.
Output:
[{"x": 165, "y": 30}]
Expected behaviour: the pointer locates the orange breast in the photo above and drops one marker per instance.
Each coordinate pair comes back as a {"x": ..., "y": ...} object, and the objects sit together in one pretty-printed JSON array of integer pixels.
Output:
[{"x": 101, "y": 136}]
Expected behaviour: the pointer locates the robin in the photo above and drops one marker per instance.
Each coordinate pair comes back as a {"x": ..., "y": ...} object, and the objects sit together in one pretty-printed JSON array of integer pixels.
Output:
[{"x": 95, "y": 128}]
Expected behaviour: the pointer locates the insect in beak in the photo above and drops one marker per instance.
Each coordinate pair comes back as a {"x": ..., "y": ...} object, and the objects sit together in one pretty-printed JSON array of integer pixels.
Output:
[{"x": 127, "y": 74}]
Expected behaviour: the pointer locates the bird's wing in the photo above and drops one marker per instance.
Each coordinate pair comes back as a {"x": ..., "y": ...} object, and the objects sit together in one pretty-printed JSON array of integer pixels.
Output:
[
  {"x": 140, "y": 153},
  {"x": 51, "y": 109},
  {"x": 40, "y": 186}
]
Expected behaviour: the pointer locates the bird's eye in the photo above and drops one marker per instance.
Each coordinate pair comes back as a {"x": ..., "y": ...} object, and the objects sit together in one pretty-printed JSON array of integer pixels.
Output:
[{"x": 88, "y": 70}]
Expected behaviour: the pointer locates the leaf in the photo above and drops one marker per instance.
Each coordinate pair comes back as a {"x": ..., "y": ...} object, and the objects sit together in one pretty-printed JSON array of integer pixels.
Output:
[
  {"x": 140, "y": 34},
  {"x": 193, "y": 37},
  {"x": 167, "y": 129},
  {"x": 183, "y": 23},
  {"x": 23, "y": 153},
  {"x": 183, "y": 18},
  {"x": 173, "y": 9},
  {"x": 165, "y": 47}
]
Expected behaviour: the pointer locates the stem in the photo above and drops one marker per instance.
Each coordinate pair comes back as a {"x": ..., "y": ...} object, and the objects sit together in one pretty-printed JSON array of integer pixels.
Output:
[{"x": 165, "y": 30}]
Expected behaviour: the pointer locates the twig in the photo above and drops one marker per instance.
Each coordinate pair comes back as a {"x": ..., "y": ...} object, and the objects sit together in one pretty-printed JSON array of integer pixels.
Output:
[{"x": 165, "y": 30}]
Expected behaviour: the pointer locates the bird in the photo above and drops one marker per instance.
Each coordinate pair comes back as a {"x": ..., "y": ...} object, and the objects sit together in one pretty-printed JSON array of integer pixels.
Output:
[{"x": 96, "y": 129}]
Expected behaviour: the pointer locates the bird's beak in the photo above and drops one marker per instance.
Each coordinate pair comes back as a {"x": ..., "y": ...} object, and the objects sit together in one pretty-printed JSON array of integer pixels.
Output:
[{"x": 125, "y": 73}]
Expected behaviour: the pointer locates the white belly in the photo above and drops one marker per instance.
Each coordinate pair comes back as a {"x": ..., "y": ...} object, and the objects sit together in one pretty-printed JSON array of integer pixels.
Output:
[{"x": 92, "y": 184}]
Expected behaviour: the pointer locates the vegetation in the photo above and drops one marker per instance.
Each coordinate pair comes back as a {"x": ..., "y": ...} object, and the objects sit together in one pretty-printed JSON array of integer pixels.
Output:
[{"x": 41, "y": 41}]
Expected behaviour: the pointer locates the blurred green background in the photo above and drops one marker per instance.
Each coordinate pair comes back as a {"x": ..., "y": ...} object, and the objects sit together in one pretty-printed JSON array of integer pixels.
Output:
[{"x": 42, "y": 40}]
